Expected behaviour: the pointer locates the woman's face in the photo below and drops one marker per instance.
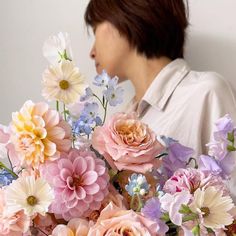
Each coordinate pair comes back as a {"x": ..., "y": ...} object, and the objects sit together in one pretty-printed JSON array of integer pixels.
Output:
[{"x": 110, "y": 50}]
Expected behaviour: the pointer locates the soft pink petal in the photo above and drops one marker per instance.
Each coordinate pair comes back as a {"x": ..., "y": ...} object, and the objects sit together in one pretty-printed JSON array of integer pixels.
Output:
[{"x": 89, "y": 177}]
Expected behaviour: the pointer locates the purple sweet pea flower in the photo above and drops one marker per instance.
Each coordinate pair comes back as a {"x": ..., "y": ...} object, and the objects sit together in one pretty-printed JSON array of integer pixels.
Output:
[
  {"x": 152, "y": 210},
  {"x": 218, "y": 147},
  {"x": 222, "y": 167},
  {"x": 178, "y": 156}
]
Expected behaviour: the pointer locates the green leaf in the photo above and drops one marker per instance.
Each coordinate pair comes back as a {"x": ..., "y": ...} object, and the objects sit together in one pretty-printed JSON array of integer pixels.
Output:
[
  {"x": 231, "y": 148},
  {"x": 231, "y": 137}
]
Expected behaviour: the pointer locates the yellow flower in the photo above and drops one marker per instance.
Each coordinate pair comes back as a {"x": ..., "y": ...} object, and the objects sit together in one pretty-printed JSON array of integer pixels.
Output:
[
  {"x": 39, "y": 134},
  {"x": 63, "y": 82}
]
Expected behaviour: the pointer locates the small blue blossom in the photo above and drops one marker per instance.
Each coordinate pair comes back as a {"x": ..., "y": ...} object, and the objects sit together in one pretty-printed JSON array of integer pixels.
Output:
[
  {"x": 114, "y": 95},
  {"x": 137, "y": 185},
  {"x": 102, "y": 79},
  {"x": 88, "y": 120},
  {"x": 90, "y": 110},
  {"x": 113, "y": 82},
  {"x": 5, "y": 177},
  {"x": 88, "y": 94}
]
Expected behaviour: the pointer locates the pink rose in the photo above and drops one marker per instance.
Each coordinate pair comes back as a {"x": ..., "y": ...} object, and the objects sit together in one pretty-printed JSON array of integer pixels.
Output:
[
  {"x": 115, "y": 221},
  {"x": 127, "y": 143}
]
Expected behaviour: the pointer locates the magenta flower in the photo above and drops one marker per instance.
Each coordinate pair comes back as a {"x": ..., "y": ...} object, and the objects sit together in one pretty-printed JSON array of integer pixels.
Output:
[{"x": 80, "y": 182}]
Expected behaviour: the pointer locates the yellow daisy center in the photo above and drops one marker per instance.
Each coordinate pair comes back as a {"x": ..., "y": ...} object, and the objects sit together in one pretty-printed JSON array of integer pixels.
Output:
[
  {"x": 32, "y": 200},
  {"x": 206, "y": 211},
  {"x": 64, "y": 84}
]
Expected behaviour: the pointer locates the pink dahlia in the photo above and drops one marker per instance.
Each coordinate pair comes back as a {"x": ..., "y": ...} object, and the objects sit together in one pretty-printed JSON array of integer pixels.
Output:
[
  {"x": 80, "y": 182},
  {"x": 127, "y": 143}
]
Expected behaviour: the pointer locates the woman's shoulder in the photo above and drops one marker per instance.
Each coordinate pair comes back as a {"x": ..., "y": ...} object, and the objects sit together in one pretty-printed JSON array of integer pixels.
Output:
[{"x": 208, "y": 82}]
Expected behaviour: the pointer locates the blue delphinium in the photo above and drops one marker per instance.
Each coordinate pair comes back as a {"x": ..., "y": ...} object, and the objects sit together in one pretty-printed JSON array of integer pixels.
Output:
[
  {"x": 88, "y": 120},
  {"x": 114, "y": 95},
  {"x": 137, "y": 185},
  {"x": 5, "y": 177},
  {"x": 88, "y": 94},
  {"x": 102, "y": 79}
]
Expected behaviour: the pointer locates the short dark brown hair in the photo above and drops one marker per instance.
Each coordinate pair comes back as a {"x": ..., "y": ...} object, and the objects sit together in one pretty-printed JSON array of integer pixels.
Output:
[{"x": 154, "y": 27}]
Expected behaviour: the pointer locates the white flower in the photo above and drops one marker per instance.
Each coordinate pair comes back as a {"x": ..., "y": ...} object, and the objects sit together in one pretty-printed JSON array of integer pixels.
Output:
[
  {"x": 32, "y": 196},
  {"x": 212, "y": 208},
  {"x": 63, "y": 82},
  {"x": 57, "y": 48}
]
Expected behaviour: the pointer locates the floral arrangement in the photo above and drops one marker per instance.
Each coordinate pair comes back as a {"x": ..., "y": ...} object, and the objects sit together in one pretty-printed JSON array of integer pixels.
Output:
[{"x": 73, "y": 172}]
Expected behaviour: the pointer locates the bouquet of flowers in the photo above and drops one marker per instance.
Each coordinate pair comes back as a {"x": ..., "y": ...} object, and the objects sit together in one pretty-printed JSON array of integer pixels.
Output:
[{"x": 73, "y": 172}]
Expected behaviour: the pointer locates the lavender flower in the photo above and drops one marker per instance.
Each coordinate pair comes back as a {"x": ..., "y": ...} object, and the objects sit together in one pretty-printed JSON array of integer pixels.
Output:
[
  {"x": 178, "y": 156},
  {"x": 152, "y": 210},
  {"x": 222, "y": 167},
  {"x": 137, "y": 185}
]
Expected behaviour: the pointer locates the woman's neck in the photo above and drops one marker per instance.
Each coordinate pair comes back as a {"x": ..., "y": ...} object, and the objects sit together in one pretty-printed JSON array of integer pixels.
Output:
[{"x": 142, "y": 72}]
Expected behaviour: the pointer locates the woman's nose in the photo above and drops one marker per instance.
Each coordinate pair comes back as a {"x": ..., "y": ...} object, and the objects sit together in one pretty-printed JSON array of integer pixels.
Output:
[{"x": 92, "y": 52}]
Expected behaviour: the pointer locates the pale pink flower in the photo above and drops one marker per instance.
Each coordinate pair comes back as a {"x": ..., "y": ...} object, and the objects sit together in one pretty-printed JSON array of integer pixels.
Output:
[
  {"x": 191, "y": 179},
  {"x": 127, "y": 143},
  {"x": 75, "y": 227},
  {"x": 116, "y": 221},
  {"x": 80, "y": 182},
  {"x": 13, "y": 224},
  {"x": 39, "y": 134},
  {"x": 7, "y": 148},
  {"x": 184, "y": 180},
  {"x": 172, "y": 203}
]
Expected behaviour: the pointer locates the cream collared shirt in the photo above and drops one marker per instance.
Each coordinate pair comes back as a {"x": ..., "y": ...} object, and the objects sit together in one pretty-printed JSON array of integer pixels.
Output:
[{"x": 184, "y": 104}]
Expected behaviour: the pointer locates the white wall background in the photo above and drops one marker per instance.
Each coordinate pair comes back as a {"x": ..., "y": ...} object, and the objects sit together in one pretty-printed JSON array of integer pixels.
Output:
[{"x": 25, "y": 24}]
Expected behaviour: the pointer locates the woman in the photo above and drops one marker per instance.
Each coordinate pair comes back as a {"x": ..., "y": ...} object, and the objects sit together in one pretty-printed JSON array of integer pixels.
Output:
[{"x": 143, "y": 41}]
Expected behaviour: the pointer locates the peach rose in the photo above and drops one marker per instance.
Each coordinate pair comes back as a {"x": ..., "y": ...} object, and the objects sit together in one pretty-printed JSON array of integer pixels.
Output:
[
  {"x": 127, "y": 143},
  {"x": 75, "y": 227},
  {"x": 116, "y": 221}
]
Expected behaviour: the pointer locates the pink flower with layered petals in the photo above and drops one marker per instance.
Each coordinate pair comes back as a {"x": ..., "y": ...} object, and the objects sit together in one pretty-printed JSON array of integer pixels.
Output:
[
  {"x": 80, "y": 182},
  {"x": 127, "y": 143},
  {"x": 191, "y": 179},
  {"x": 39, "y": 134}
]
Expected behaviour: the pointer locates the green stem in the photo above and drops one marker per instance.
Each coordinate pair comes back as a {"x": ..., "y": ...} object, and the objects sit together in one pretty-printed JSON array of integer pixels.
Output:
[
  {"x": 140, "y": 203},
  {"x": 105, "y": 113},
  {"x": 57, "y": 105},
  {"x": 98, "y": 99},
  {"x": 9, "y": 170},
  {"x": 64, "y": 111}
]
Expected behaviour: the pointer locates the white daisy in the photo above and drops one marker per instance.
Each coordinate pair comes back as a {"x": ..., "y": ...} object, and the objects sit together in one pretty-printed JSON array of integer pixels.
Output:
[
  {"x": 63, "y": 82},
  {"x": 57, "y": 48},
  {"x": 212, "y": 208},
  {"x": 28, "y": 194}
]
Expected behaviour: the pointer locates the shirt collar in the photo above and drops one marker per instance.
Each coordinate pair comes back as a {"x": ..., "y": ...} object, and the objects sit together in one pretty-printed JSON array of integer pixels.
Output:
[{"x": 164, "y": 85}]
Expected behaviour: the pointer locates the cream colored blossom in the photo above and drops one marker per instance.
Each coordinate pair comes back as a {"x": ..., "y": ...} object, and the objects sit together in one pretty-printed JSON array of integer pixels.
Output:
[
  {"x": 39, "y": 134},
  {"x": 63, "y": 82},
  {"x": 212, "y": 208},
  {"x": 29, "y": 194}
]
